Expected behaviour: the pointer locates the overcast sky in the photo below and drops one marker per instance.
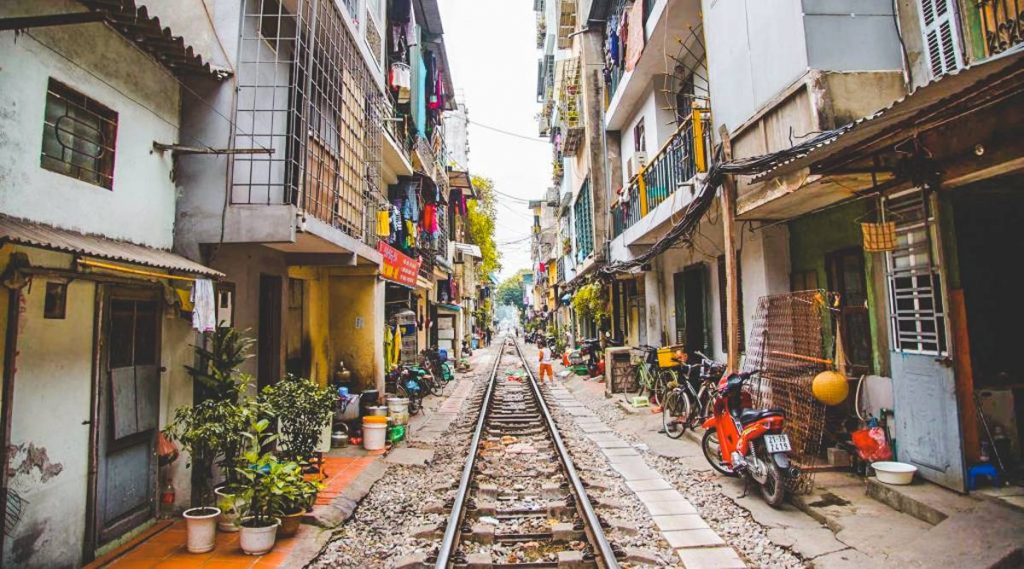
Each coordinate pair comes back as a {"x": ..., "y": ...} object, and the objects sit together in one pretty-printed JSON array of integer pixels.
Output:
[{"x": 492, "y": 52}]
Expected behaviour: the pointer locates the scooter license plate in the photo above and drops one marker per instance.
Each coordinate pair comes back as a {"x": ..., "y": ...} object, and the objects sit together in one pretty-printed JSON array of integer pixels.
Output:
[{"x": 777, "y": 443}]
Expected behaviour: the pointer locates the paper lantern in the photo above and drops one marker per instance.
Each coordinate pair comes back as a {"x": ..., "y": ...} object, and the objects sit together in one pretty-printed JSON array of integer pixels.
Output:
[{"x": 830, "y": 387}]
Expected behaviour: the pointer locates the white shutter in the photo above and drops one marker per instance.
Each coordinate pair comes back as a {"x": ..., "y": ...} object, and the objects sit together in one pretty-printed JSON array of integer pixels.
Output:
[{"x": 941, "y": 39}]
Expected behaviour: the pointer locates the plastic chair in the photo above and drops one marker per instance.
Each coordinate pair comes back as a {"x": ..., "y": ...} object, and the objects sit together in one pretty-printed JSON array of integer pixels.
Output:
[{"x": 986, "y": 470}]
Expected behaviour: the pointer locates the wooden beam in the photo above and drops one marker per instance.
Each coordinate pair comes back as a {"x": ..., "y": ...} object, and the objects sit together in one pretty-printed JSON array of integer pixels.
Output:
[
  {"x": 732, "y": 307},
  {"x": 27, "y": 22}
]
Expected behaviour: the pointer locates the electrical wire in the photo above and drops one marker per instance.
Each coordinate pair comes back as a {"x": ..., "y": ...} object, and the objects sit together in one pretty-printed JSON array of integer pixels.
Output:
[
  {"x": 509, "y": 133},
  {"x": 685, "y": 231}
]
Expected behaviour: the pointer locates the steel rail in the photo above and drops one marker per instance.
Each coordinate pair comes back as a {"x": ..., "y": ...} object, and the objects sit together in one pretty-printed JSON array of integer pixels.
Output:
[
  {"x": 454, "y": 528},
  {"x": 592, "y": 523}
]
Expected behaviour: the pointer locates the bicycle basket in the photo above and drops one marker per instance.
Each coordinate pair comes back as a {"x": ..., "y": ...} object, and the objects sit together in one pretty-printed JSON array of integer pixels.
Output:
[{"x": 642, "y": 354}]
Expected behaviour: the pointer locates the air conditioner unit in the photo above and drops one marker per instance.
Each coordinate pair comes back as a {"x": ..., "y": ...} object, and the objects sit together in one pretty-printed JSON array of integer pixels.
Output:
[{"x": 637, "y": 161}]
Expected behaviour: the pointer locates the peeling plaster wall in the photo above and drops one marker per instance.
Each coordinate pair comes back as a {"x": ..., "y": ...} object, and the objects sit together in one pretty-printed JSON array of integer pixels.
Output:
[
  {"x": 356, "y": 326},
  {"x": 52, "y": 397},
  {"x": 140, "y": 208}
]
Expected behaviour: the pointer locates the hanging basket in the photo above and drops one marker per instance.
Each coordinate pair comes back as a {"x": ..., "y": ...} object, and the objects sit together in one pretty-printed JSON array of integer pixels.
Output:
[{"x": 879, "y": 237}]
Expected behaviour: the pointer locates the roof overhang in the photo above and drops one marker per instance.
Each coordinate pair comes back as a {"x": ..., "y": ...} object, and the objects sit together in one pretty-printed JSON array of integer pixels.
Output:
[
  {"x": 967, "y": 126},
  {"x": 469, "y": 249},
  {"x": 43, "y": 236},
  {"x": 134, "y": 22},
  {"x": 462, "y": 180},
  {"x": 853, "y": 148}
]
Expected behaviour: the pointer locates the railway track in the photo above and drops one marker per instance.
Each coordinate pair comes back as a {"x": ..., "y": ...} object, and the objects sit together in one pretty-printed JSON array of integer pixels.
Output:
[{"x": 520, "y": 502}]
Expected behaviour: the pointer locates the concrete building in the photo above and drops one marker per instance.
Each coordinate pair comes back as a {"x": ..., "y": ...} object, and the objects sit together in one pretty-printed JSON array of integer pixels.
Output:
[
  {"x": 685, "y": 77},
  {"x": 96, "y": 338}
]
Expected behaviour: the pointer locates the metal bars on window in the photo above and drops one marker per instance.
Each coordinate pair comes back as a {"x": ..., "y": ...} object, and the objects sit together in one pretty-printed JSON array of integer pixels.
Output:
[
  {"x": 584, "y": 223},
  {"x": 79, "y": 136},
  {"x": 305, "y": 91},
  {"x": 916, "y": 311}
]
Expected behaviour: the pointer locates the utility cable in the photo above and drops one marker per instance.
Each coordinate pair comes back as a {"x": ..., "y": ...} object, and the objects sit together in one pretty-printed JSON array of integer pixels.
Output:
[{"x": 509, "y": 133}]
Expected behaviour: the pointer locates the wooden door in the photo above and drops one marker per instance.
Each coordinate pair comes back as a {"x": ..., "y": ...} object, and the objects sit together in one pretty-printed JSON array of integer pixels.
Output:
[
  {"x": 128, "y": 414},
  {"x": 268, "y": 363}
]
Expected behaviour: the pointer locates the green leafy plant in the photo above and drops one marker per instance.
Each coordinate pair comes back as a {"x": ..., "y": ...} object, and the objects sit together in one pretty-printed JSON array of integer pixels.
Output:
[
  {"x": 217, "y": 370},
  {"x": 208, "y": 430},
  {"x": 303, "y": 409},
  {"x": 270, "y": 487},
  {"x": 589, "y": 302},
  {"x": 212, "y": 430}
]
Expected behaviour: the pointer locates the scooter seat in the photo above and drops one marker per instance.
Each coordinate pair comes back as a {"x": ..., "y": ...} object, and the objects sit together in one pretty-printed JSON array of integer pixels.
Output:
[{"x": 751, "y": 415}]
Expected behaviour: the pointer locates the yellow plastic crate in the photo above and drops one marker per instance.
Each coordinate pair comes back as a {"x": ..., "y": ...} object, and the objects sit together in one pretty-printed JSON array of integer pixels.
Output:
[{"x": 667, "y": 356}]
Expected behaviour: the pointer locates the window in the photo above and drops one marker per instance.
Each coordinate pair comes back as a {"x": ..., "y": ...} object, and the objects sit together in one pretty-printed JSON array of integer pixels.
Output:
[
  {"x": 584, "y": 223},
  {"x": 55, "y": 303},
  {"x": 639, "y": 137},
  {"x": 941, "y": 38},
  {"x": 79, "y": 136}
]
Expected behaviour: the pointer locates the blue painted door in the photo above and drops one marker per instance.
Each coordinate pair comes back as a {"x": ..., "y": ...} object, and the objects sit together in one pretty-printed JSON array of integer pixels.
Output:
[{"x": 924, "y": 386}]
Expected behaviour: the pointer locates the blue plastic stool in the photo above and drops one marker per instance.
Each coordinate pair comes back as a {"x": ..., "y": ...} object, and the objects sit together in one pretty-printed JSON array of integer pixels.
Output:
[{"x": 986, "y": 469}]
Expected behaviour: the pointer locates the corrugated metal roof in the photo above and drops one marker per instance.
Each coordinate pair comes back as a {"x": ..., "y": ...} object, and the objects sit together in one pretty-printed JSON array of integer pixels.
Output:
[
  {"x": 469, "y": 249},
  {"x": 22, "y": 232},
  {"x": 135, "y": 24},
  {"x": 951, "y": 89}
]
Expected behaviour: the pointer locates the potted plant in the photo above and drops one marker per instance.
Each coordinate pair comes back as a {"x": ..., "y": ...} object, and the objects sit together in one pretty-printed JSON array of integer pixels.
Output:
[
  {"x": 303, "y": 410},
  {"x": 267, "y": 484},
  {"x": 219, "y": 380},
  {"x": 298, "y": 495}
]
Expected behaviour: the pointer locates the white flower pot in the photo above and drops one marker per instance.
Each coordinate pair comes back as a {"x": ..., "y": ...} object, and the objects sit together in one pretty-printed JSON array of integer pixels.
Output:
[
  {"x": 201, "y": 524},
  {"x": 257, "y": 541},
  {"x": 228, "y": 520}
]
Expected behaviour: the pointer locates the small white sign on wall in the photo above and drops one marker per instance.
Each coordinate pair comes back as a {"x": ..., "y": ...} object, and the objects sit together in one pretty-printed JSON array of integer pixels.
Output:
[{"x": 359, "y": 322}]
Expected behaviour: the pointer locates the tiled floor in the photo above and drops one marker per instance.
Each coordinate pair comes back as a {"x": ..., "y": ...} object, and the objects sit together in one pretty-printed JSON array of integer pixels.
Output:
[{"x": 166, "y": 547}]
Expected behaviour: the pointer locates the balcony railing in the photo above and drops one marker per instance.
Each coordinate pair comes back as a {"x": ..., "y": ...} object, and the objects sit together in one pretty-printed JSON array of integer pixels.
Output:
[
  {"x": 1002, "y": 23},
  {"x": 679, "y": 160}
]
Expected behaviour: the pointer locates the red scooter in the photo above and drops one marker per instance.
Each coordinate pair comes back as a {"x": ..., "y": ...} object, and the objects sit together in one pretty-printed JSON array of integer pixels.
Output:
[{"x": 739, "y": 440}]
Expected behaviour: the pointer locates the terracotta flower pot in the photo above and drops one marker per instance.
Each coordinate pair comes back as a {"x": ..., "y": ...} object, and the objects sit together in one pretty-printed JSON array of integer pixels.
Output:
[
  {"x": 257, "y": 540},
  {"x": 201, "y": 525},
  {"x": 290, "y": 523}
]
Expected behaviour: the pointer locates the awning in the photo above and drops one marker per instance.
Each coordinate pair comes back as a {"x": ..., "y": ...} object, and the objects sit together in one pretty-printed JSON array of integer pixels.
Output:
[
  {"x": 33, "y": 234},
  {"x": 927, "y": 107},
  {"x": 451, "y": 307},
  {"x": 463, "y": 181},
  {"x": 135, "y": 23},
  {"x": 469, "y": 249}
]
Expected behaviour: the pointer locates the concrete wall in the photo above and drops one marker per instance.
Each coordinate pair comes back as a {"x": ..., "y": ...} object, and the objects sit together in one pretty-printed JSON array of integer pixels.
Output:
[
  {"x": 357, "y": 325},
  {"x": 53, "y": 389},
  {"x": 140, "y": 208},
  {"x": 757, "y": 48}
]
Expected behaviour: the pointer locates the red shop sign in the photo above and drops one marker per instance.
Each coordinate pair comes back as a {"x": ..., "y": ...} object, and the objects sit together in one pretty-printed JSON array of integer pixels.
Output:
[{"x": 398, "y": 266}]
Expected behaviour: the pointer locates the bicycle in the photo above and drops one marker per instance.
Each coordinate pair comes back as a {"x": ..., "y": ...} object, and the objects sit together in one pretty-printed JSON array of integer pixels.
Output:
[
  {"x": 649, "y": 378},
  {"x": 688, "y": 402}
]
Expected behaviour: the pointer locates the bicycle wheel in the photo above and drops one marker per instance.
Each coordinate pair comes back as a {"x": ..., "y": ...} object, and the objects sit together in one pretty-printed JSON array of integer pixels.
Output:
[
  {"x": 660, "y": 387},
  {"x": 705, "y": 403},
  {"x": 436, "y": 386},
  {"x": 641, "y": 384},
  {"x": 675, "y": 412}
]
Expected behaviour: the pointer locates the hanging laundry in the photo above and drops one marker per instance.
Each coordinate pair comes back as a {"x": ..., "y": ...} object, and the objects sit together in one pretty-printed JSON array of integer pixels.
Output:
[
  {"x": 429, "y": 221},
  {"x": 383, "y": 223},
  {"x": 400, "y": 78},
  {"x": 204, "y": 306},
  {"x": 411, "y": 208},
  {"x": 389, "y": 344}
]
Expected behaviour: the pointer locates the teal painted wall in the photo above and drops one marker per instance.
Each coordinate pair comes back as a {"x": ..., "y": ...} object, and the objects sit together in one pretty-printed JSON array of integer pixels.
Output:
[{"x": 813, "y": 236}]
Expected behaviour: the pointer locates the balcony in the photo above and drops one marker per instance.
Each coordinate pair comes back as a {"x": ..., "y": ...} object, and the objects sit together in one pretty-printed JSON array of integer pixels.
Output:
[
  {"x": 1002, "y": 23},
  {"x": 665, "y": 39},
  {"x": 685, "y": 155},
  {"x": 398, "y": 139},
  {"x": 307, "y": 195}
]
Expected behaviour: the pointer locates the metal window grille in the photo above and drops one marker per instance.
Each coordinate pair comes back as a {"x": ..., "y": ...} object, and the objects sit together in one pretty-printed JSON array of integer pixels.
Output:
[
  {"x": 916, "y": 312},
  {"x": 584, "y": 223},
  {"x": 1002, "y": 24},
  {"x": 305, "y": 91},
  {"x": 79, "y": 136}
]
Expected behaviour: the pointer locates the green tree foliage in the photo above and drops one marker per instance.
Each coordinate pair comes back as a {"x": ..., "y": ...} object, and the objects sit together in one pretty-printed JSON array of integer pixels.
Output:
[
  {"x": 510, "y": 291},
  {"x": 480, "y": 219}
]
